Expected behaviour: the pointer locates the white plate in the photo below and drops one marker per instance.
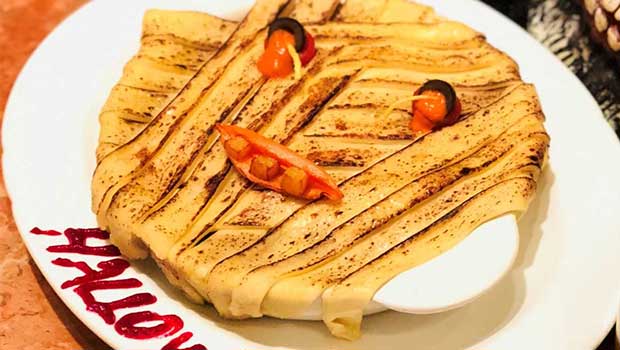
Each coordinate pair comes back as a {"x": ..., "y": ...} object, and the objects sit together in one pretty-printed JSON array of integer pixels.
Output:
[{"x": 558, "y": 296}]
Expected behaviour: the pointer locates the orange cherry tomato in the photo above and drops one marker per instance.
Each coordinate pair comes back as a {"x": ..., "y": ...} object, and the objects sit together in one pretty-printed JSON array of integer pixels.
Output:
[
  {"x": 419, "y": 123},
  {"x": 279, "y": 40},
  {"x": 272, "y": 65},
  {"x": 434, "y": 108},
  {"x": 439, "y": 106},
  {"x": 276, "y": 62}
]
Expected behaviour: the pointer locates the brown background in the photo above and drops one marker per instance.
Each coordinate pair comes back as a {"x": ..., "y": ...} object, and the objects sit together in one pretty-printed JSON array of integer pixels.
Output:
[{"x": 31, "y": 315}]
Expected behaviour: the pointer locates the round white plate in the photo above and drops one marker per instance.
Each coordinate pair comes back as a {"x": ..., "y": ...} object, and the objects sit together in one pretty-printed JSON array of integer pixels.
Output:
[{"x": 558, "y": 296}]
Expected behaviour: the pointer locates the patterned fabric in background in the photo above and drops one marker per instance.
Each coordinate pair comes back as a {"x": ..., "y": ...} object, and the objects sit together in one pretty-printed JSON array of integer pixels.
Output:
[{"x": 558, "y": 25}]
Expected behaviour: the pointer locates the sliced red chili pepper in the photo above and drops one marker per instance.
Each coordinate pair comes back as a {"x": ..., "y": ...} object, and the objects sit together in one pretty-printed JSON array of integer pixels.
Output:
[{"x": 319, "y": 182}]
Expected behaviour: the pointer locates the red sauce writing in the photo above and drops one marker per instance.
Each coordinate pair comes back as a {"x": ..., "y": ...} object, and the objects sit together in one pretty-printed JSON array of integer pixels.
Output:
[
  {"x": 109, "y": 268},
  {"x": 180, "y": 340},
  {"x": 130, "y": 325},
  {"x": 106, "y": 309},
  {"x": 77, "y": 243},
  {"x": 38, "y": 231}
]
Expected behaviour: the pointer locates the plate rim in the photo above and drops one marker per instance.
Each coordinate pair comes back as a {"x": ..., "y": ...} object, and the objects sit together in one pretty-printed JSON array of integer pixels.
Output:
[{"x": 10, "y": 177}]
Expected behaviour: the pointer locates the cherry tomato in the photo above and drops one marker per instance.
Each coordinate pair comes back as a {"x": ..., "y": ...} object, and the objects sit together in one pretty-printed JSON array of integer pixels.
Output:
[
  {"x": 279, "y": 40},
  {"x": 272, "y": 65},
  {"x": 433, "y": 108},
  {"x": 440, "y": 106},
  {"x": 453, "y": 117},
  {"x": 309, "y": 50},
  {"x": 276, "y": 62},
  {"x": 419, "y": 123}
]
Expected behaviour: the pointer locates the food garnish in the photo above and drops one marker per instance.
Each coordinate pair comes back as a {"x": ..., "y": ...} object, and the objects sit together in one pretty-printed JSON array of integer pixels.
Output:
[
  {"x": 165, "y": 191},
  {"x": 441, "y": 108},
  {"x": 274, "y": 166},
  {"x": 238, "y": 147},
  {"x": 294, "y": 181},
  {"x": 433, "y": 106},
  {"x": 288, "y": 47},
  {"x": 265, "y": 168}
]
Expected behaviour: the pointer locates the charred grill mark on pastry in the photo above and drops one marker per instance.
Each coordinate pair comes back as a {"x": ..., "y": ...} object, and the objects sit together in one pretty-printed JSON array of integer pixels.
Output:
[
  {"x": 255, "y": 217},
  {"x": 413, "y": 66},
  {"x": 175, "y": 39},
  {"x": 369, "y": 106},
  {"x": 267, "y": 116},
  {"x": 315, "y": 104},
  {"x": 153, "y": 91},
  {"x": 167, "y": 66},
  {"x": 343, "y": 158},
  {"x": 226, "y": 208},
  {"x": 456, "y": 85},
  {"x": 336, "y": 12},
  {"x": 366, "y": 136},
  {"x": 210, "y": 186}
]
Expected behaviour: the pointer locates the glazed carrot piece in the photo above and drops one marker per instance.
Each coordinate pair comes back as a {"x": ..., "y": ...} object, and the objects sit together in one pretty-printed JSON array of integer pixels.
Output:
[{"x": 318, "y": 181}]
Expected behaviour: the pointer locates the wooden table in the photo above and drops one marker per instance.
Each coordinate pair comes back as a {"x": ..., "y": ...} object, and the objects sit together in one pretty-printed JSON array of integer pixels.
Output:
[{"x": 34, "y": 317}]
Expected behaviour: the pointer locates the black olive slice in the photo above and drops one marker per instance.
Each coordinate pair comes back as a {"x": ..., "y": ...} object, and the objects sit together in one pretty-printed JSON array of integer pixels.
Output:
[
  {"x": 444, "y": 88},
  {"x": 291, "y": 26}
]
